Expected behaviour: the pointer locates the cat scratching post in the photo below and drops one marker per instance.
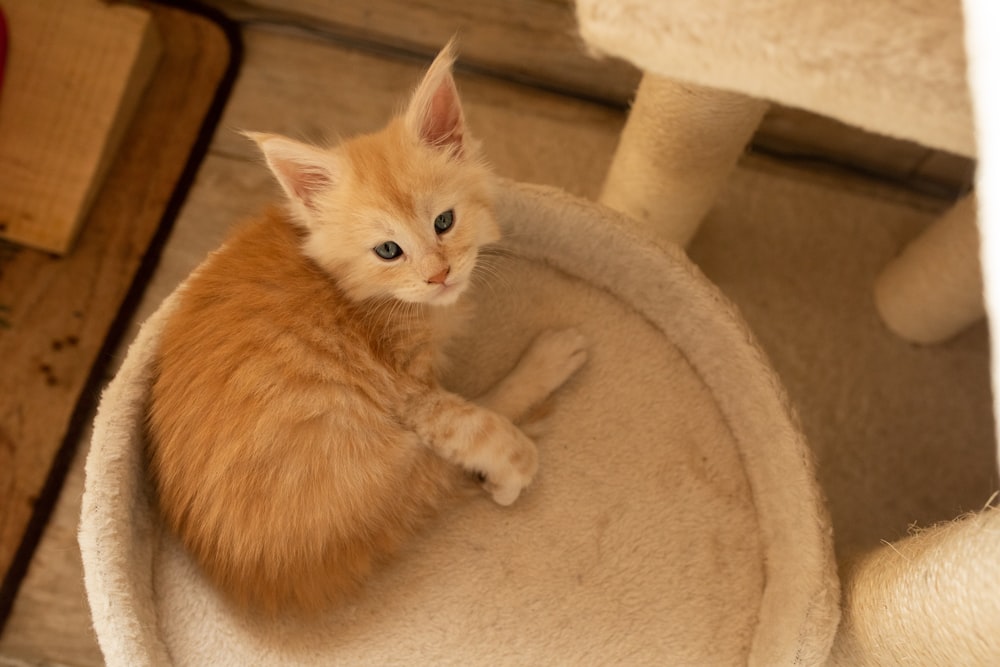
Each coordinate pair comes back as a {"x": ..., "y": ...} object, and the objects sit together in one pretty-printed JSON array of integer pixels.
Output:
[
  {"x": 934, "y": 289},
  {"x": 928, "y": 599},
  {"x": 679, "y": 145}
]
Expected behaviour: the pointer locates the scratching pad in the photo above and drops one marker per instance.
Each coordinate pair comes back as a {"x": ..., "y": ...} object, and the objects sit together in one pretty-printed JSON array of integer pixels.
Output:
[{"x": 675, "y": 518}]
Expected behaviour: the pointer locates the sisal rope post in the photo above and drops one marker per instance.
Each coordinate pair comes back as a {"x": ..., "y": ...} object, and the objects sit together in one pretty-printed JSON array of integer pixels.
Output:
[
  {"x": 932, "y": 598},
  {"x": 934, "y": 289},
  {"x": 679, "y": 145}
]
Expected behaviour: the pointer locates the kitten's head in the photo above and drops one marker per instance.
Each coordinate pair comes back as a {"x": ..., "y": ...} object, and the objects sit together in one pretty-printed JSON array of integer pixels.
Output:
[{"x": 400, "y": 213}]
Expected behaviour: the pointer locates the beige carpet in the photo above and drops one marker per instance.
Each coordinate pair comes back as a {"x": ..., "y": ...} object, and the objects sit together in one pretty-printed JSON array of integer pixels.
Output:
[{"x": 903, "y": 434}]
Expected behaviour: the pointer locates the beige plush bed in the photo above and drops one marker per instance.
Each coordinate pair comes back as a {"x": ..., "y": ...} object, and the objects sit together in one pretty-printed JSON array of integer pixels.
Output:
[{"x": 676, "y": 518}]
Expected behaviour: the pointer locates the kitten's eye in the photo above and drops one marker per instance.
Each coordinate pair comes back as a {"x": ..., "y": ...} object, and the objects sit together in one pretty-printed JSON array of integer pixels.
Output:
[
  {"x": 444, "y": 221},
  {"x": 389, "y": 250}
]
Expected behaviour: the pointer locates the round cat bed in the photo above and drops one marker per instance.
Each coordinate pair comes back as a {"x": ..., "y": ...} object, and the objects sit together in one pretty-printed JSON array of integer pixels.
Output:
[{"x": 675, "y": 518}]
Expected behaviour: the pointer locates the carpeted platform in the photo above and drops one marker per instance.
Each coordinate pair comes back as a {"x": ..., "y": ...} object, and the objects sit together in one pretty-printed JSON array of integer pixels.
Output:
[{"x": 676, "y": 516}]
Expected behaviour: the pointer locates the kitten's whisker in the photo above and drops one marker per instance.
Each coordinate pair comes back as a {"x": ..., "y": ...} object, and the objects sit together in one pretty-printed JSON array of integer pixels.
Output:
[
  {"x": 498, "y": 250},
  {"x": 490, "y": 276}
]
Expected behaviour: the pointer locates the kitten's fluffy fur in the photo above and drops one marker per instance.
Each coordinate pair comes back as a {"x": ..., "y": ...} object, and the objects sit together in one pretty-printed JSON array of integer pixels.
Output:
[{"x": 297, "y": 431}]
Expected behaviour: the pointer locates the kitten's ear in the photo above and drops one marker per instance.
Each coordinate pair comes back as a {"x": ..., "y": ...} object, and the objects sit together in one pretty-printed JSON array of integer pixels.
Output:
[
  {"x": 435, "y": 111},
  {"x": 303, "y": 171}
]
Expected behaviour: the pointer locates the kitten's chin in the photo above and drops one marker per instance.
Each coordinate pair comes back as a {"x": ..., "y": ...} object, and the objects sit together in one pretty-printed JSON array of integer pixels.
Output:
[{"x": 445, "y": 295}]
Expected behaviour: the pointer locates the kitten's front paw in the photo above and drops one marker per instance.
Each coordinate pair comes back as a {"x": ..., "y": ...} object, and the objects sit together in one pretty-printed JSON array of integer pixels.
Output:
[
  {"x": 555, "y": 355},
  {"x": 505, "y": 495},
  {"x": 515, "y": 467}
]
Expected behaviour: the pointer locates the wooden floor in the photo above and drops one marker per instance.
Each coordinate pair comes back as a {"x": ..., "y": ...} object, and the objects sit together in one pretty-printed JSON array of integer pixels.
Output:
[
  {"x": 61, "y": 314},
  {"x": 330, "y": 75}
]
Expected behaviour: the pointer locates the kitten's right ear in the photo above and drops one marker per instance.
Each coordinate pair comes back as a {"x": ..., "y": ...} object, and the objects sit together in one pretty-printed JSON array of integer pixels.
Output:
[
  {"x": 434, "y": 114},
  {"x": 303, "y": 171}
]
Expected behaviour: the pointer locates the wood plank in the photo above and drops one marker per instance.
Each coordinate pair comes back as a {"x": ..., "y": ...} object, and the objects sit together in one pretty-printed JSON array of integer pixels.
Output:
[
  {"x": 942, "y": 167},
  {"x": 50, "y": 623},
  {"x": 797, "y": 132},
  {"x": 533, "y": 41},
  {"x": 536, "y": 41},
  {"x": 76, "y": 72},
  {"x": 58, "y": 311},
  {"x": 801, "y": 136}
]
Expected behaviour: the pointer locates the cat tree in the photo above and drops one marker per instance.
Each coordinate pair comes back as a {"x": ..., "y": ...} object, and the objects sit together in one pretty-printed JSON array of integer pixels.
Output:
[
  {"x": 709, "y": 69},
  {"x": 677, "y": 517},
  {"x": 885, "y": 67}
]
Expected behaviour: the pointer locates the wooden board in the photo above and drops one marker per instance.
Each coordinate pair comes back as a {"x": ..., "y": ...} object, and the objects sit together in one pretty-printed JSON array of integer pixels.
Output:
[
  {"x": 532, "y": 41},
  {"x": 76, "y": 71},
  {"x": 57, "y": 312},
  {"x": 810, "y": 140},
  {"x": 536, "y": 41}
]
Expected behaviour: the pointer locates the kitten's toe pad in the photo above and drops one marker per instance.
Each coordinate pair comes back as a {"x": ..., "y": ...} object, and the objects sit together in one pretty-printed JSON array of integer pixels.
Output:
[
  {"x": 505, "y": 492},
  {"x": 505, "y": 495},
  {"x": 513, "y": 471}
]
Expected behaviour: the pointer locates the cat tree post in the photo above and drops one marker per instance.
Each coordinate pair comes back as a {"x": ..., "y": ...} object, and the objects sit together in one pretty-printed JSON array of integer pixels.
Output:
[
  {"x": 934, "y": 289},
  {"x": 680, "y": 143},
  {"x": 926, "y": 599}
]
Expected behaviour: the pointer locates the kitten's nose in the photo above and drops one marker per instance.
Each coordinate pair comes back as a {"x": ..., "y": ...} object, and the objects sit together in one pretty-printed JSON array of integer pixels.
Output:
[{"x": 439, "y": 277}]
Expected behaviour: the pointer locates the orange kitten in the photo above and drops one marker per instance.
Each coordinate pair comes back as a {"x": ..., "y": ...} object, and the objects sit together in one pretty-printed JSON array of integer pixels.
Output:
[{"x": 298, "y": 433}]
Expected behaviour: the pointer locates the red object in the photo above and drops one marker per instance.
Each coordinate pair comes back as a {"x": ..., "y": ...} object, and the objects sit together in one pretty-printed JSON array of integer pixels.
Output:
[{"x": 3, "y": 45}]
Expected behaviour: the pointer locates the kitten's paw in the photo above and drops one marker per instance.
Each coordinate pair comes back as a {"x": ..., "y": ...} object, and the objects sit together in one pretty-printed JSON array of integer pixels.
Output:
[
  {"x": 505, "y": 495},
  {"x": 514, "y": 468},
  {"x": 555, "y": 355}
]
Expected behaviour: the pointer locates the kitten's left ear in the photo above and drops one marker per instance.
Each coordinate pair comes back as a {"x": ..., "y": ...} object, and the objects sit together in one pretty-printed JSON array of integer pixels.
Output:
[
  {"x": 303, "y": 171},
  {"x": 435, "y": 112}
]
